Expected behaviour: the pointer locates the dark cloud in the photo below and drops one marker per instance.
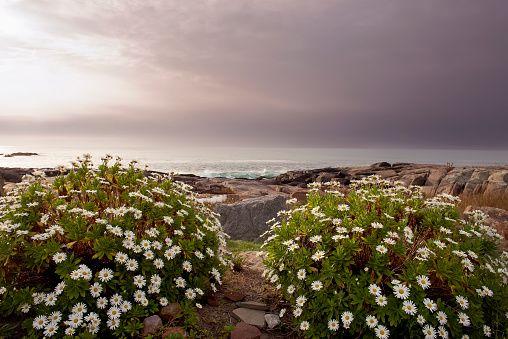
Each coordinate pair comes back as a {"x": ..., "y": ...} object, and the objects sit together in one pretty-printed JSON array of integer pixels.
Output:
[{"x": 325, "y": 73}]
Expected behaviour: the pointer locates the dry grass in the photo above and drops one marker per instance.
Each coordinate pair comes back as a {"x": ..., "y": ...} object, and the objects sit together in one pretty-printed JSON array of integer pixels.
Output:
[{"x": 483, "y": 200}]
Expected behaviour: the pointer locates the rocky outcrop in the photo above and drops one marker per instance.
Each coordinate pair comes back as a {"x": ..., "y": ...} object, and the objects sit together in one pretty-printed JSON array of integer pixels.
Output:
[
  {"x": 246, "y": 219},
  {"x": 15, "y": 174},
  {"x": 20, "y": 154},
  {"x": 498, "y": 219},
  {"x": 433, "y": 179}
]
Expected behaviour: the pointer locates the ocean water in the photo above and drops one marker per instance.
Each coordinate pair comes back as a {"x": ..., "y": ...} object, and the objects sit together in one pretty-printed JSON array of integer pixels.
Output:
[{"x": 249, "y": 162}]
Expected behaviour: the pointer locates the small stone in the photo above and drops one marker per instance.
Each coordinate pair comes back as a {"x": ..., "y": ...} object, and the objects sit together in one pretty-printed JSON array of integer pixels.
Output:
[
  {"x": 272, "y": 320},
  {"x": 174, "y": 330},
  {"x": 245, "y": 331},
  {"x": 300, "y": 196},
  {"x": 254, "y": 305},
  {"x": 233, "y": 295},
  {"x": 151, "y": 325},
  {"x": 212, "y": 299},
  {"x": 170, "y": 311},
  {"x": 252, "y": 317}
]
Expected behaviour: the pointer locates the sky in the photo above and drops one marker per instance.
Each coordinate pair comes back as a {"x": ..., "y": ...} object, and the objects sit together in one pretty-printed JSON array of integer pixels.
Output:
[{"x": 255, "y": 73}]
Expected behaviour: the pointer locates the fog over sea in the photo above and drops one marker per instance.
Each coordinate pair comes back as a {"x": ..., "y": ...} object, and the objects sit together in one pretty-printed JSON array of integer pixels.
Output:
[{"x": 248, "y": 162}]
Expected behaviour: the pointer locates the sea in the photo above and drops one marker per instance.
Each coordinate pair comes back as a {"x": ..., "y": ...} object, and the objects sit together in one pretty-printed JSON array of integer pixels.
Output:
[{"x": 231, "y": 162}]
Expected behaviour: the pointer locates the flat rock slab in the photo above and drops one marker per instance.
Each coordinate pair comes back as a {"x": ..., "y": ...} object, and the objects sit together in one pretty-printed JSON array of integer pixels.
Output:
[
  {"x": 252, "y": 317},
  {"x": 233, "y": 295},
  {"x": 272, "y": 320},
  {"x": 246, "y": 219},
  {"x": 253, "y": 305},
  {"x": 245, "y": 331}
]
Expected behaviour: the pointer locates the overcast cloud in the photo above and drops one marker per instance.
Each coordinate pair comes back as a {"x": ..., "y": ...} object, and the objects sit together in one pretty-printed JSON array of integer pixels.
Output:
[{"x": 316, "y": 73}]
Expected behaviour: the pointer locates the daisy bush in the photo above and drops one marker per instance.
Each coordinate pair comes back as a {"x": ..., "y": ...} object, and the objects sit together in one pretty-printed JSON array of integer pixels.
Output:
[
  {"x": 380, "y": 261},
  {"x": 100, "y": 249}
]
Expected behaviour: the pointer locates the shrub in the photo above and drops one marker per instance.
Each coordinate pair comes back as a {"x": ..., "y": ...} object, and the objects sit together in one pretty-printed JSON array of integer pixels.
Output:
[
  {"x": 99, "y": 250},
  {"x": 380, "y": 261}
]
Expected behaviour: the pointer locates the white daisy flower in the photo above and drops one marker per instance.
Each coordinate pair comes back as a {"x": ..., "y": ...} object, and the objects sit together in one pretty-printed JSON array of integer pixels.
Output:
[
  {"x": 51, "y": 299},
  {"x": 113, "y": 323},
  {"x": 374, "y": 289},
  {"x": 464, "y": 319},
  {"x": 423, "y": 281},
  {"x": 401, "y": 291},
  {"x": 159, "y": 263},
  {"x": 347, "y": 318},
  {"x": 304, "y": 326},
  {"x": 318, "y": 255},
  {"x": 301, "y": 274},
  {"x": 59, "y": 257},
  {"x": 131, "y": 264},
  {"x": 429, "y": 332},
  {"x": 430, "y": 304},
  {"x": 381, "y": 300},
  {"x": 116, "y": 299},
  {"x": 381, "y": 249},
  {"x": 487, "y": 331},
  {"x": 139, "y": 295},
  {"x": 79, "y": 308},
  {"x": 180, "y": 282},
  {"x": 300, "y": 301},
  {"x": 382, "y": 332},
  {"x": 125, "y": 306},
  {"x": 315, "y": 239},
  {"x": 50, "y": 329},
  {"x": 317, "y": 285},
  {"x": 69, "y": 331},
  {"x": 163, "y": 301},
  {"x": 139, "y": 281},
  {"x": 60, "y": 287},
  {"x": 420, "y": 319},
  {"x": 96, "y": 289},
  {"x": 190, "y": 294},
  {"x": 187, "y": 266},
  {"x": 25, "y": 308},
  {"x": 442, "y": 332},
  {"x": 409, "y": 307},
  {"x": 106, "y": 274},
  {"x": 102, "y": 303},
  {"x": 462, "y": 301},
  {"x": 121, "y": 257},
  {"x": 297, "y": 312},
  {"x": 371, "y": 321},
  {"x": 442, "y": 317},
  {"x": 389, "y": 241},
  {"x": 39, "y": 322}
]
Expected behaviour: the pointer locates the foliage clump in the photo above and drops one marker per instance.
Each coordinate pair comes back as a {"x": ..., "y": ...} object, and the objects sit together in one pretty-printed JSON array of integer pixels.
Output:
[
  {"x": 381, "y": 262},
  {"x": 99, "y": 250}
]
